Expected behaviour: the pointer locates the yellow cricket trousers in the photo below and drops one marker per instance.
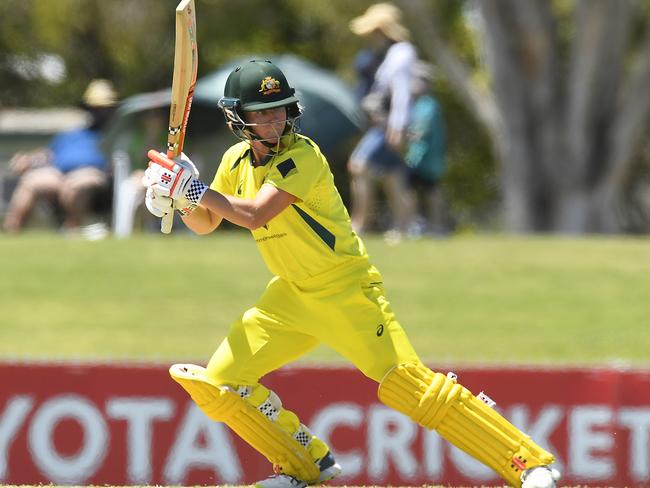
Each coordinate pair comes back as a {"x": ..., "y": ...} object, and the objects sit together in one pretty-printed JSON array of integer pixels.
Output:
[{"x": 345, "y": 308}]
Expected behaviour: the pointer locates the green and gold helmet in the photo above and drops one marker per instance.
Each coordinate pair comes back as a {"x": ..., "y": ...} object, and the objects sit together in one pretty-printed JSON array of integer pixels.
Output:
[
  {"x": 259, "y": 85},
  {"x": 254, "y": 86}
]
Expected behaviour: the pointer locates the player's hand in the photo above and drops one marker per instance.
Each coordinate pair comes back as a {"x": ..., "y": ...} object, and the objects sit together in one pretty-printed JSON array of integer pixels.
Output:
[
  {"x": 157, "y": 204},
  {"x": 23, "y": 161},
  {"x": 175, "y": 179},
  {"x": 170, "y": 180},
  {"x": 160, "y": 205},
  {"x": 20, "y": 163}
]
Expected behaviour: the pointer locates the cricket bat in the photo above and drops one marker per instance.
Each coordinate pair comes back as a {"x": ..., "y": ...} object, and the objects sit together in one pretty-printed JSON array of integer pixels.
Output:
[{"x": 183, "y": 83}]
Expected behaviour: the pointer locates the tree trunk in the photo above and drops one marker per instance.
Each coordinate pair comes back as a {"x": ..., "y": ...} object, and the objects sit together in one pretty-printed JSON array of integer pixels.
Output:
[{"x": 564, "y": 127}]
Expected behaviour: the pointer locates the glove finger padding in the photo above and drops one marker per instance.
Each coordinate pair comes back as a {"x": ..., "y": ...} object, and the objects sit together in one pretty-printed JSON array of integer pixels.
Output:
[
  {"x": 170, "y": 182},
  {"x": 157, "y": 204},
  {"x": 146, "y": 179},
  {"x": 189, "y": 164}
]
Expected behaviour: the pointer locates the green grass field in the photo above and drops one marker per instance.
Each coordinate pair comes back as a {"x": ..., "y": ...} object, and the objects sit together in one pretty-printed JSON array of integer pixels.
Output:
[{"x": 462, "y": 300}]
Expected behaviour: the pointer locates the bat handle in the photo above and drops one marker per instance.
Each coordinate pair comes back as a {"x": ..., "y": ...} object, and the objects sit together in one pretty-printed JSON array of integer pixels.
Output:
[{"x": 167, "y": 222}]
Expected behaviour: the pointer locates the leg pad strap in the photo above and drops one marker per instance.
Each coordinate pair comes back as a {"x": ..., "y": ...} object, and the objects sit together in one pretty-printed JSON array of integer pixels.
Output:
[
  {"x": 437, "y": 402},
  {"x": 223, "y": 404}
]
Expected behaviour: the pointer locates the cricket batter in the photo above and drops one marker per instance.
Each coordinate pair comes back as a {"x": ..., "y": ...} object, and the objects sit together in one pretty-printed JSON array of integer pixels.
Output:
[{"x": 278, "y": 184}]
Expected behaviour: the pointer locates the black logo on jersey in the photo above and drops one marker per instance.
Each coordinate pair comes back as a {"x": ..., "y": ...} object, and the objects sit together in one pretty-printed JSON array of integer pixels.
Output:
[
  {"x": 380, "y": 330},
  {"x": 287, "y": 167},
  {"x": 239, "y": 188}
]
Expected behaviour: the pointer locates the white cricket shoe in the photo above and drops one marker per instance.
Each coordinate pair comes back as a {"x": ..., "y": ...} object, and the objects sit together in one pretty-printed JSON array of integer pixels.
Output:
[
  {"x": 327, "y": 465},
  {"x": 540, "y": 477},
  {"x": 329, "y": 468},
  {"x": 281, "y": 481}
]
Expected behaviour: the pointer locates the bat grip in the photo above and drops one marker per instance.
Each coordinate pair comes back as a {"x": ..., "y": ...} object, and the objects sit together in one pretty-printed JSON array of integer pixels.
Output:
[
  {"x": 167, "y": 222},
  {"x": 161, "y": 159}
]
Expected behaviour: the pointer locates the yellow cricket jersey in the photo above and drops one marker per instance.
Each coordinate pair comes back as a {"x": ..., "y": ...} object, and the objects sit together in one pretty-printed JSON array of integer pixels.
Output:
[{"x": 309, "y": 237}]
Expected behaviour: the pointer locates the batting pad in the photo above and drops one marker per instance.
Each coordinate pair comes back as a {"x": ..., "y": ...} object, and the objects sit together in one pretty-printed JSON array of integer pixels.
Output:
[
  {"x": 223, "y": 404},
  {"x": 267, "y": 402},
  {"x": 438, "y": 402}
]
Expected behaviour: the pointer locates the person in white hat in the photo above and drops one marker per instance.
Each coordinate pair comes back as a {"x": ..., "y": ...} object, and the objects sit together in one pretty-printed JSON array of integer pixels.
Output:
[
  {"x": 378, "y": 153},
  {"x": 71, "y": 171}
]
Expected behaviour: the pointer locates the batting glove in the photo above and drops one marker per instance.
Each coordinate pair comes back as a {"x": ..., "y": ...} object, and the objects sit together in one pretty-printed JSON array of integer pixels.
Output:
[
  {"x": 157, "y": 204},
  {"x": 160, "y": 205},
  {"x": 176, "y": 178}
]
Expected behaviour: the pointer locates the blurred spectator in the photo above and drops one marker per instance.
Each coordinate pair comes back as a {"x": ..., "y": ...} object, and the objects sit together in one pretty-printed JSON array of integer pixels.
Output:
[
  {"x": 425, "y": 157},
  {"x": 366, "y": 63},
  {"x": 70, "y": 172},
  {"x": 378, "y": 153}
]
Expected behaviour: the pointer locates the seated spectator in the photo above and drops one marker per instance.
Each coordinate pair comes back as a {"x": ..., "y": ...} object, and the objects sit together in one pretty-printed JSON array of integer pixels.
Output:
[{"x": 69, "y": 172}]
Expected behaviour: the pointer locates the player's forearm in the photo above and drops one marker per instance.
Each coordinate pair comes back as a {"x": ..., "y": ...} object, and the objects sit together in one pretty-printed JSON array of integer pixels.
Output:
[
  {"x": 239, "y": 211},
  {"x": 202, "y": 221}
]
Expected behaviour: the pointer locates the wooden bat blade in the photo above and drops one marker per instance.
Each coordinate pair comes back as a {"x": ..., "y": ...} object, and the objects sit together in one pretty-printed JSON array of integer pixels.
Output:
[
  {"x": 186, "y": 61},
  {"x": 184, "y": 78}
]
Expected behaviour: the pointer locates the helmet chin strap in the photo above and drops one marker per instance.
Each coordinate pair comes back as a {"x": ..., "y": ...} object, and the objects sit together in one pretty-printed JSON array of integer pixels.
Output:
[
  {"x": 273, "y": 149},
  {"x": 268, "y": 144},
  {"x": 254, "y": 137}
]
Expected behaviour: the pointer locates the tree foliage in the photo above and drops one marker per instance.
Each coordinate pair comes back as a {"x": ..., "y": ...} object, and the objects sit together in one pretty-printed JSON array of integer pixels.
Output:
[{"x": 132, "y": 42}]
